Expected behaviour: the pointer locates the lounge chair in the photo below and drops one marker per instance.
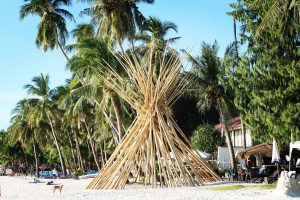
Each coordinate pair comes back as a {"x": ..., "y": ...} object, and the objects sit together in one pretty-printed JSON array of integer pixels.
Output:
[
  {"x": 273, "y": 178},
  {"x": 259, "y": 180},
  {"x": 36, "y": 180}
]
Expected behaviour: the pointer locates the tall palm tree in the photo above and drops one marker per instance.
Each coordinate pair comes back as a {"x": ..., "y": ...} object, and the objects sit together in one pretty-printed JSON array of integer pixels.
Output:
[
  {"x": 80, "y": 104},
  {"x": 155, "y": 42},
  {"x": 91, "y": 54},
  {"x": 118, "y": 18},
  {"x": 210, "y": 88},
  {"x": 236, "y": 62},
  {"x": 22, "y": 129},
  {"x": 154, "y": 34},
  {"x": 45, "y": 109},
  {"x": 82, "y": 111},
  {"x": 52, "y": 29}
]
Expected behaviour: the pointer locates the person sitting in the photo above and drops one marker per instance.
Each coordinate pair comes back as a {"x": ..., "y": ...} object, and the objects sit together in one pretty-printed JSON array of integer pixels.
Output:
[{"x": 246, "y": 169}]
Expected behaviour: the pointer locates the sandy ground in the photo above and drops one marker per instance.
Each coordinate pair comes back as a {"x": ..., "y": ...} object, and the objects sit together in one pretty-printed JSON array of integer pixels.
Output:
[{"x": 17, "y": 188}]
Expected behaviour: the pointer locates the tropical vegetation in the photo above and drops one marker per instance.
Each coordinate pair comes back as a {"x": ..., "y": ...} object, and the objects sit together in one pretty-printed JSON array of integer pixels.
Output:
[{"x": 77, "y": 125}]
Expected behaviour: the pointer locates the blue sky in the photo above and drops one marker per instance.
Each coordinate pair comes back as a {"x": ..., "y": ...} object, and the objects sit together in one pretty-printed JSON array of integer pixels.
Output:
[{"x": 20, "y": 59}]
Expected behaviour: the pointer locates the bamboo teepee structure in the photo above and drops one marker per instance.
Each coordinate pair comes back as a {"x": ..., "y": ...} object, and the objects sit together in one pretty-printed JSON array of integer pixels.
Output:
[{"x": 154, "y": 150}]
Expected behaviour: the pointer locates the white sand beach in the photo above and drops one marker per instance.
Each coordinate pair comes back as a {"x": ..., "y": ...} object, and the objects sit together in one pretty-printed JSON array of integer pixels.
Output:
[{"x": 17, "y": 188}]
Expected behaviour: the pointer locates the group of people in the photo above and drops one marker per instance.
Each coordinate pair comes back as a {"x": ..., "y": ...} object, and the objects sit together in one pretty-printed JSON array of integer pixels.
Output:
[{"x": 244, "y": 170}]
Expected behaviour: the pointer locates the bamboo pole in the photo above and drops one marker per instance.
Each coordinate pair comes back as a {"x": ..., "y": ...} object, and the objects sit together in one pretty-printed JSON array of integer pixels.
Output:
[{"x": 152, "y": 145}]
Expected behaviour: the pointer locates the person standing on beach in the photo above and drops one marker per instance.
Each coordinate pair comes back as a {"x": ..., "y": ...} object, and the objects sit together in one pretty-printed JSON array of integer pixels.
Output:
[{"x": 55, "y": 173}]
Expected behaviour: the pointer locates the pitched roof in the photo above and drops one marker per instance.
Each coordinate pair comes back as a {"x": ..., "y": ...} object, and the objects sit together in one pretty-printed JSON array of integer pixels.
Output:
[{"x": 233, "y": 124}]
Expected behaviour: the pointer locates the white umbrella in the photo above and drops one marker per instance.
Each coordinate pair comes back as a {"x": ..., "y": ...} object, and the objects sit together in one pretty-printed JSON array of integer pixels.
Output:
[{"x": 275, "y": 152}]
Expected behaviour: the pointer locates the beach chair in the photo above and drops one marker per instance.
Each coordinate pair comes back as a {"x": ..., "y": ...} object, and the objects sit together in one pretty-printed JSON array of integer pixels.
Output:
[
  {"x": 273, "y": 178},
  {"x": 35, "y": 180},
  {"x": 259, "y": 180}
]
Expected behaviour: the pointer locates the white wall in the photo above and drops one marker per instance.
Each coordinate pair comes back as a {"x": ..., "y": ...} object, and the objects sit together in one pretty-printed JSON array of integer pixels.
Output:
[
  {"x": 237, "y": 138},
  {"x": 249, "y": 142},
  {"x": 224, "y": 158}
]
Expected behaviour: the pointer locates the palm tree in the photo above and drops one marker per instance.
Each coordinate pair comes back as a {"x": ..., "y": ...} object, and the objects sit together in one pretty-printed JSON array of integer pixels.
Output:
[
  {"x": 155, "y": 42},
  {"x": 91, "y": 54},
  {"x": 83, "y": 112},
  {"x": 24, "y": 130},
  {"x": 52, "y": 30},
  {"x": 118, "y": 18},
  {"x": 154, "y": 33},
  {"x": 236, "y": 62},
  {"x": 45, "y": 109},
  {"x": 210, "y": 88}
]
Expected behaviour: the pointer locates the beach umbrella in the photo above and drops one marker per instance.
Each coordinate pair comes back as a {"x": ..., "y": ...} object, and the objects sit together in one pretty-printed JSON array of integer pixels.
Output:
[{"x": 275, "y": 154}]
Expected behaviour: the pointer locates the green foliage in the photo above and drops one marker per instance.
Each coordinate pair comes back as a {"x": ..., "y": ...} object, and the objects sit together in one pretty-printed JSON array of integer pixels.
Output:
[
  {"x": 52, "y": 28},
  {"x": 266, "y": 81},
  {"x": 205, "y": 138},
  {"x": 188, "y": 116},
  {"x": 211, "y": 88},
  {"x": 4, "y": 147}
]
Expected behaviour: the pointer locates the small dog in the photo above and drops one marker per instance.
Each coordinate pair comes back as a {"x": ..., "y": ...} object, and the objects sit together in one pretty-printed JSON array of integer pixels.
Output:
[
  {"x": 49, "y": 183},
  {"x": 57, "y": 187}
]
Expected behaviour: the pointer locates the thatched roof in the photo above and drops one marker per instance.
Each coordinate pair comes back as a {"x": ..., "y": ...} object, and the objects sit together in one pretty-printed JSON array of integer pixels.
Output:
[{"x": 261, "y": 149}]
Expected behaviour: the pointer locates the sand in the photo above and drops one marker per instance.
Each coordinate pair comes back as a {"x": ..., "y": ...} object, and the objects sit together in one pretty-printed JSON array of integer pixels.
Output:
[{"x": 17, "y": 188}]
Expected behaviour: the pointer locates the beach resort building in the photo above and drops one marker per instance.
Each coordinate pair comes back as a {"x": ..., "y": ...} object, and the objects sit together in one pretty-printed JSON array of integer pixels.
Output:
[{"x": 241, "y": 139}]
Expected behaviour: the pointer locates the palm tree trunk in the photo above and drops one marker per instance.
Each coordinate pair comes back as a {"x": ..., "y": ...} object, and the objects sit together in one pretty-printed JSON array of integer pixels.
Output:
[
  {"x": 92, "y": 146},
  {"x": 114, "y": 130},
  {"x": 230, "y": 148},
  {"x": 102, "y": 156},
  {"x": 112, "y": 126},
  {"x": 36, "y": 159},
  {"x": 105, "y": 154},
  {"x": 63, "y": 167},
  {"x": 244, "y": 135},
  {"x": 235, "y": 38},
  {"x": 118, "y": 117},
  {"x": 79, "y": 156},
  {"x": 63, "y": 51},
  {"x": 228, "y": 138},
  {"x": 72, "y": 150},
  {"x": 25, "y": 157}
]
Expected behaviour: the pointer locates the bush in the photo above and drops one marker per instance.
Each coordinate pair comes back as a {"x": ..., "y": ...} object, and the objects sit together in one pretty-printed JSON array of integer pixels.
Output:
[{"x": 205, "y": 138}]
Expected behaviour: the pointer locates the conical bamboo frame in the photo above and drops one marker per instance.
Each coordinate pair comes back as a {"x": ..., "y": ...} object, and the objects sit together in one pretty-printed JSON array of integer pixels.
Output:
[{"x": 152, "y": 150}]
